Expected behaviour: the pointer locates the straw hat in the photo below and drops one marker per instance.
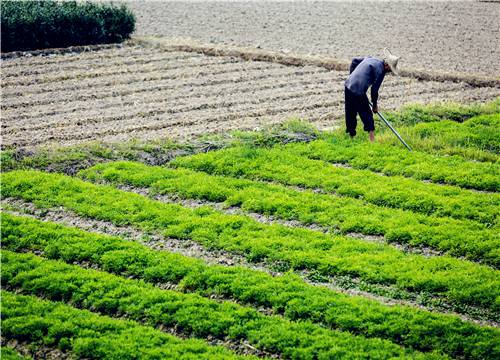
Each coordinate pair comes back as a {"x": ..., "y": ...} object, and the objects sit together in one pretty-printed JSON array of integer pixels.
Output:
[{"x": 391, "y": 60}]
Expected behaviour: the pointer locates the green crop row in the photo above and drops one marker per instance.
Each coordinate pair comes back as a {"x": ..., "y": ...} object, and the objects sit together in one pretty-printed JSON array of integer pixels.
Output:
[
  {"x": 282, "y": 165},
  {"x": 461, "y": 282},
  {"x": 393, "y": 160},
  {"x": 195, "y": 315},
  {"x": 279, "y": 165},
  {"x": 7, "y": 353},
  {"x": 297, "y": 247},
  {"x": 435, "y": 200},
  {"x": 461, "y": 238},
  {"x": 28, "y": 25},
  {"x": 90, "y": 336},
  {"x": 287, "y": 295},
  {"x": 475, "y": 139}
]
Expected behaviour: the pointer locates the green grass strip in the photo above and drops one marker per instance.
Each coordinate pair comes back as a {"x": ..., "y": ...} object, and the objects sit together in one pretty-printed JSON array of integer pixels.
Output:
[
  {"x": 462, "y": 238},
  {"x": 461, "y": 282},
  {"x": 197, "y": 316},
  {"x": 475, "y": 139},
  {"x": 287, "y": 295},
  {"x": 91, "y": 336}
]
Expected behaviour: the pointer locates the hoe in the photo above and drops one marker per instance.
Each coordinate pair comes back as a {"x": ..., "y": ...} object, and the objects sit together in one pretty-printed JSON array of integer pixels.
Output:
[{"x": 392, "y": 129}]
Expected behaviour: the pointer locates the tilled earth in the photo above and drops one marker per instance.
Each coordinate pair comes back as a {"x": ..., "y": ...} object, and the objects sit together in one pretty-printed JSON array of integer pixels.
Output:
[
  {"x": 146, "y": 93},
  {"x": 456, "y": 36}
]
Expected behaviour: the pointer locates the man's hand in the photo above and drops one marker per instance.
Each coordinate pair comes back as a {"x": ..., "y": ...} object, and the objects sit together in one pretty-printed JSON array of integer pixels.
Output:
[{"x": 375, "y": 109}]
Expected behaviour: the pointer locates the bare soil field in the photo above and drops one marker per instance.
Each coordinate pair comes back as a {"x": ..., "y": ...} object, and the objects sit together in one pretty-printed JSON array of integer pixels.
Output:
[
  {"x": 458, "y": 36},
  {"x": 146, "y": 93}
]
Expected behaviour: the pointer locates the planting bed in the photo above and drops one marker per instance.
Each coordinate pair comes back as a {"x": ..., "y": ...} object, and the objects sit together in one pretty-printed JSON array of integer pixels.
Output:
[{"x": 147, "y": 93}]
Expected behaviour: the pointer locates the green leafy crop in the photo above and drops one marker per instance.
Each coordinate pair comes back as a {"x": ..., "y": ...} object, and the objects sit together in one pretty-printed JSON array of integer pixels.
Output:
[
  {"x": 195, "y": 315},
  {"x": 287, "y": 295},
  {"x": 462, "y": 238},
  {"x": 91, "y": 336},
  {"x": 459, "y": 281}
]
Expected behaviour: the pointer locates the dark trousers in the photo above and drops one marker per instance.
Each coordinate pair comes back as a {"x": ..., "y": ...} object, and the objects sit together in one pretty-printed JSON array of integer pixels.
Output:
[{"x": 357, "y": 104}]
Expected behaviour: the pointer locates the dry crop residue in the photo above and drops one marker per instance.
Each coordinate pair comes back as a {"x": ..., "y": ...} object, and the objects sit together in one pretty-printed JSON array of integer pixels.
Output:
[{"x": 147, "y": 93}]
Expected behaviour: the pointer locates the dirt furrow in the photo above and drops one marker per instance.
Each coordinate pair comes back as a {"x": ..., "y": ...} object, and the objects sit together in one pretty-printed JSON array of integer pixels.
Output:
[
  {"x": 324, "y": 117},
  {"x": 129, "y": 98},
  {"x": 167, "y": 83},
  {"x": 183, "y": 73},
  {"x": 100, "y": 73},
  {"x": 33, "y": 351},
  {"x": 198, "y": 128},
  {"x": 159, "y": 103},
  {"x": 328, "y": 116},
  {"x": 268, "y": 219},
  {"x": 150, "y": 120},
  {"x": 95, "y": 75},
  {"x": 165, "y": 105},
  {"x": 157, "y": 119},
  {"x": 142, "y": 59},
  {"x": 160, "y": 106},
  {"x": 94, "y": 53}
]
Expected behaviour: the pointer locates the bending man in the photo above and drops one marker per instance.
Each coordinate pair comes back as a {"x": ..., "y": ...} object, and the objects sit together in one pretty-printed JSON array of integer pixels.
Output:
[{"x": 363, "y": 73}]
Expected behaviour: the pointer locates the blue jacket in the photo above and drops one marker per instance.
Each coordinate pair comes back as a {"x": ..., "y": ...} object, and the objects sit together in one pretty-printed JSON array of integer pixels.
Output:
[{"x": 366, "y": 72}]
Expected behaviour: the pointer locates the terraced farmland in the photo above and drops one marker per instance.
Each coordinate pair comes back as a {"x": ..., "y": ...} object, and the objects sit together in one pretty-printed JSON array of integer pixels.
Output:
[
  {"x": 147, "y": 92},
  {"x": 330, "y": 248}
]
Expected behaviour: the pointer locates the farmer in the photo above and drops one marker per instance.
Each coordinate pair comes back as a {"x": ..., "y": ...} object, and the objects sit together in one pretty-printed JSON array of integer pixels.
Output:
[{"x": 363, "y": 73}]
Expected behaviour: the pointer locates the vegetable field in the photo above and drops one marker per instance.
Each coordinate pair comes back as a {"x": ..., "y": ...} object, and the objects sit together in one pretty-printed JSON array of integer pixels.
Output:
[{"x": 331, "y": 248}]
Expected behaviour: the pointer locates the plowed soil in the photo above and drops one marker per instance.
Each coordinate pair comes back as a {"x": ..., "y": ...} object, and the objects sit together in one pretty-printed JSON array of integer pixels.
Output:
[
  {"x": 148, "y": 93},
  {"x": 457, "y": 36}
]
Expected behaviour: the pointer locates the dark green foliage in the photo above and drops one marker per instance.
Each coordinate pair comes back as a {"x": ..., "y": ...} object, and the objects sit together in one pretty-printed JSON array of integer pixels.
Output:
[
  {"x": 7, "y": 353},
  {"x": 28, "y": 25}
]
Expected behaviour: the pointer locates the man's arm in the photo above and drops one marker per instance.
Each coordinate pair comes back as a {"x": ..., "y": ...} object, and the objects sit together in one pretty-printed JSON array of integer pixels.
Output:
[
  {"x": 374, "y": 90},
  {"x": 355, "y": 62}
]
